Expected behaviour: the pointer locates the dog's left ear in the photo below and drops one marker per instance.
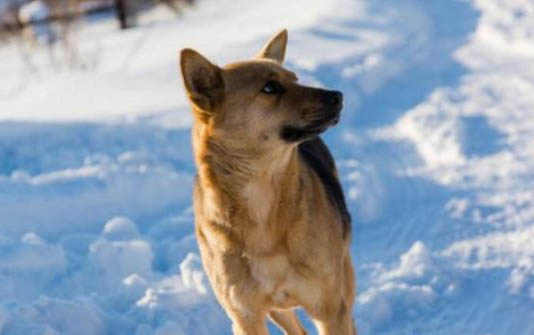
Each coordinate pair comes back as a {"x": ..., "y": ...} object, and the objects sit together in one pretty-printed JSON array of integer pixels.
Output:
[
  {"x": 275, "y": 49},
  {"x": 202, "y": 80}
]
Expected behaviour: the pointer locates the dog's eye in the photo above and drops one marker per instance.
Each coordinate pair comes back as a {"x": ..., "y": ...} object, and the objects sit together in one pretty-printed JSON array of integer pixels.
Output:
[{"x": 273, "y": 87}]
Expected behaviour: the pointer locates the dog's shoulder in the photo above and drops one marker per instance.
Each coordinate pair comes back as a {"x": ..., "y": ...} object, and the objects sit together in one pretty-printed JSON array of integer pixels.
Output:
[
  {"x": 316, "y": 149},
  {"x": 317, "y": 156}
]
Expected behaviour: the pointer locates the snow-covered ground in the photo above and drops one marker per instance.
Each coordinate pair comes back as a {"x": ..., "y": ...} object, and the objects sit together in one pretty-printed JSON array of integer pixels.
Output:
[{"x": 435, "y": 149}]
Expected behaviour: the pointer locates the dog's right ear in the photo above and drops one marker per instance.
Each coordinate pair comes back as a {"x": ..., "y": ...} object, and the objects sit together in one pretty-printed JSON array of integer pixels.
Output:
[{"x": 202, "y": 80}]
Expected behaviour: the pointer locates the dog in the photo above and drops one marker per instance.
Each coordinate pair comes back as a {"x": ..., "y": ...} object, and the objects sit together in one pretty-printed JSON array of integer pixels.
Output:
[{"x": 270, "y": 216}]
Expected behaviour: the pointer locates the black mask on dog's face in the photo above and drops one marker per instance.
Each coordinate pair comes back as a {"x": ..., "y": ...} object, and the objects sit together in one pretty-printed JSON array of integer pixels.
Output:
[{"x": 327, "y": 115}]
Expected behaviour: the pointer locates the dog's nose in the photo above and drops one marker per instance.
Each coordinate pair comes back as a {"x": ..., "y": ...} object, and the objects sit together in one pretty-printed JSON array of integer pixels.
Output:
[{"x": 333, "y": 98}]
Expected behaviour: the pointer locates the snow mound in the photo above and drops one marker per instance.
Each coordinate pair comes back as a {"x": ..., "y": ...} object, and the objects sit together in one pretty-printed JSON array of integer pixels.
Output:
[
  {"x": 187, "y": 289},
  {"x": 116, "y": 260},
  {"x": 405, "y": 290},
  {"x": 120, "y": 229}
]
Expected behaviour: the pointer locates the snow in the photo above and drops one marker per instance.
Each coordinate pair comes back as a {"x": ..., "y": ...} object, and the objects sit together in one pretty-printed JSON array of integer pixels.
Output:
[
  {"x": 434, "y": 151},
  {"x": 120, "y": 228},
  {"x": 34, "y": 10}
]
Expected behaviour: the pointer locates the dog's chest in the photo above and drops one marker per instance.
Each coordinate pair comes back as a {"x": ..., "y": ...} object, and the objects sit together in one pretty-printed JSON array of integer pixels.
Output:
[
  {"x": 259, "y": 198},
  {"x": 274, "y": 276}
]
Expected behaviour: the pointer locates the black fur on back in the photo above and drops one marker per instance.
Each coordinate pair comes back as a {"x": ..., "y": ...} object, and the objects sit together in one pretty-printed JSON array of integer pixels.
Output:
[{"x": 316, "y": 154}]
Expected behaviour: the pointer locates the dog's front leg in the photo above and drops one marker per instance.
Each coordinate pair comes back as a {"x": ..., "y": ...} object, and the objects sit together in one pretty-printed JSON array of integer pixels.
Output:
[
  {"x": 237, "y": 291},
  {"x": 248, "y": 324},
  {"x": 288, "y": 322},
  {"x": 334, "y": 318},
  {"x": 246, "y": 309}
]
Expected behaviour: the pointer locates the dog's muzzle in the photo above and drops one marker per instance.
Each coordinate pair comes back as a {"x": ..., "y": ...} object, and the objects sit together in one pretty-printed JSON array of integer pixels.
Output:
[{"x": 324, "y": 118}]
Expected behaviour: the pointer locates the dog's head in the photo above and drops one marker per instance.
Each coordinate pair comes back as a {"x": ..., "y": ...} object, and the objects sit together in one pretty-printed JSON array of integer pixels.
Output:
[{"x": 258, "y": 102}]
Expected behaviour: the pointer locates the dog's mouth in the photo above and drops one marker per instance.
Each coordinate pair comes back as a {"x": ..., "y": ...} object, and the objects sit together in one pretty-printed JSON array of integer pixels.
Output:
[{"x": 321, "y": 122}]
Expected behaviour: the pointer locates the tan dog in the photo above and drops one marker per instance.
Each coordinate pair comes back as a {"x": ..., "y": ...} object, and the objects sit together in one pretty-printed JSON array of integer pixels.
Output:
[{"x": 270, "y": 215}]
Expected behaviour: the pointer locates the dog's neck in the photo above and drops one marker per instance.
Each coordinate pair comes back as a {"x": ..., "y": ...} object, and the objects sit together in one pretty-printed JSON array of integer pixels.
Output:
[
  {"x": 239, "y": 158},
  {"x": 257, "y": 175}
]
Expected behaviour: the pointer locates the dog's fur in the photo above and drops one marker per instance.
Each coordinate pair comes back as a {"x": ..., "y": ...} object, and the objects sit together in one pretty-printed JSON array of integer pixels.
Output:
[{"x": 270, "y": 215}]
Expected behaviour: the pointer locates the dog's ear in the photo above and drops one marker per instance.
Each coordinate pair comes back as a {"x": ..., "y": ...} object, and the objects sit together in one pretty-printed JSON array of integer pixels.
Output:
[
  {"x": 203, "y": 80},
  {"x": 275, "y": 49}
]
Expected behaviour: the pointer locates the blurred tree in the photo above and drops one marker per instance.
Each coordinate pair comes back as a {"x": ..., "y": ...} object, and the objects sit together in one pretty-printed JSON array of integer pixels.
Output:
[{"x": 121, "y": 13}]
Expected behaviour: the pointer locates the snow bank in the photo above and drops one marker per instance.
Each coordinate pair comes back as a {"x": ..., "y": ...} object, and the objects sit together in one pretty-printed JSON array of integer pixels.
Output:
[
  {"x": 473, "y": 138},
  {"x": 115, "y": 276},
  {"x": 402, "y": 291},
  {"x": 504, "y": 250}
]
